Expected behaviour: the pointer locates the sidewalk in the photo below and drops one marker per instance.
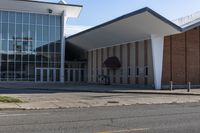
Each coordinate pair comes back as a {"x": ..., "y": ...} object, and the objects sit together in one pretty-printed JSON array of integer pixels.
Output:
[
  {"x": 12, "y": 88},
  {"x": 46, "y": 96}
]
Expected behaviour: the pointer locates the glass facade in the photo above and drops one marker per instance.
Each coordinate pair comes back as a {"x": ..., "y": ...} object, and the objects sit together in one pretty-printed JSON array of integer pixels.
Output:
[{"x": 30, "y": 46}]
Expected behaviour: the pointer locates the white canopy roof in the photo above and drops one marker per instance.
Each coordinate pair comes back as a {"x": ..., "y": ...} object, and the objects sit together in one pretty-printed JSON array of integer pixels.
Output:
[
  {"x": 135, "y": 26},
  {"x": 40, "y": 7}
]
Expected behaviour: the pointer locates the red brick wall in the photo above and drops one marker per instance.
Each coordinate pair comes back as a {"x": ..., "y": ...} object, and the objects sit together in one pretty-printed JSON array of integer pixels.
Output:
[{"x": 181, "y": 62}]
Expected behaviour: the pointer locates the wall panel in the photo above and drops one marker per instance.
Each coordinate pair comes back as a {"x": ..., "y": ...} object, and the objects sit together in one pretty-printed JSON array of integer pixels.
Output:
[
  {"x": 166, "y": 75},
  {"x": 178, "y": 59},
  {"x": 193, "y": 56}
]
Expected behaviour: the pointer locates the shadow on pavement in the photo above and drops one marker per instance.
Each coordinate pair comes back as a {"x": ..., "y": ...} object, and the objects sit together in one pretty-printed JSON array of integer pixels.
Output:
[{"x": 31, "y": 88}]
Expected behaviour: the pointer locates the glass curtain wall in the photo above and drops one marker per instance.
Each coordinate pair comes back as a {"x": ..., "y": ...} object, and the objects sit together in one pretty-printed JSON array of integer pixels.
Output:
[{"x": 28, "y": 41}]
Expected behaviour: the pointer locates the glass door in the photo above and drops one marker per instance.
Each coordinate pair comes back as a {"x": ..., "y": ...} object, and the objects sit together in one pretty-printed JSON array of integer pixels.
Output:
[
  {"x": 47, "y": 75},
  {"x": 38, "y": 75}
]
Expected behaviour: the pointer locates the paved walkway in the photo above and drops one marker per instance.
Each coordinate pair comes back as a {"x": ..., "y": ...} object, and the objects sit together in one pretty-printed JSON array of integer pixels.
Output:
[{"x": 45, "y": 96}]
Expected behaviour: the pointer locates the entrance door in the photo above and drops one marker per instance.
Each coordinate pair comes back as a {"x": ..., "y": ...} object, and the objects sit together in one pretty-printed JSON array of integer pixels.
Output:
[{"x": 45, "y": 75}]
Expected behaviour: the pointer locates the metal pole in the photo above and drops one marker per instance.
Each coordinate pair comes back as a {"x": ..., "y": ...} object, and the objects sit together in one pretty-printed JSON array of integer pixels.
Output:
[
  {"x": 171, "y": 85},
  {"x": 189, "y": 86}
]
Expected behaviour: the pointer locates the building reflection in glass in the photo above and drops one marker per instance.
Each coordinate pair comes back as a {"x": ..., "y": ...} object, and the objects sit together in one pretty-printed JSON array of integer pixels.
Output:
[{"x": 29, "y": 42}]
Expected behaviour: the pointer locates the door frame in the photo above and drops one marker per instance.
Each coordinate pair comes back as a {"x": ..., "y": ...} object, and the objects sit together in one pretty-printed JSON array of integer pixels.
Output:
[{"x": 41, "y": 72}]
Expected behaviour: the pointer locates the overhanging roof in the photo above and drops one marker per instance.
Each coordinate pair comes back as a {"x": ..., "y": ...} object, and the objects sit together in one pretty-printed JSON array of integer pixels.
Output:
[
  {"x": 134, "y": 26},
  {"x": 40, "y": 7}
]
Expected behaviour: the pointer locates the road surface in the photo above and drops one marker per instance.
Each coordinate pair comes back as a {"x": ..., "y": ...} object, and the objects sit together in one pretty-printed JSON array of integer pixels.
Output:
[{"x": 164, "y": 118}]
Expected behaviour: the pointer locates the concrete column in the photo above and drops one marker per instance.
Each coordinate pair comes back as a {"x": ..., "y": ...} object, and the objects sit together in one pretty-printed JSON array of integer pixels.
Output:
[
  {"x": 62, "y": 68},
  {"x": 157, "y": 43}
]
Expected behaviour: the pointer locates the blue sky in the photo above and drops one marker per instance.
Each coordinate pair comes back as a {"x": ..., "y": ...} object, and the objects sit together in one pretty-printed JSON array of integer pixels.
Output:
[{"x": 96, "y": 12}]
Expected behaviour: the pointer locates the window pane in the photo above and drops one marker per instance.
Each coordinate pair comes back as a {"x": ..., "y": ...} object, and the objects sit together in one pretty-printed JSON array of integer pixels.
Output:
[
  {"x": 11, "y": 46},
  {"x": 11, "y": 31},
  {"x": 18, "y": 57},
  {"x": 52, "y": 20},
  {"x": 32, "y": 18},
  {"x": 25, "y": 71},
  {"x": 32, "y": 32},
  {"x": 25, "y": 46},
  {"x": 31, "y": 46},
  {"x": 32, "y": 57},
  {"x": 39, "y": 33},
  {"x": 11, "y": 17},
  {"x": 4, "y": 57},
  {"x": 25, "y": 57},
  {"x": 57, "y": 75},
  {"x": 5, "y": 31},
  {"x": 52, "y": 34},
  {"x": 25, "y": 18},
  {"x": 58, "y": 47},
  {"x": 31, "y": 71},
  {"x": 58, "y": 21},
  {"x": 45, "y": 33},
  {"x": 19, "y": 17},
  {"x": 18, "y": 74},
  {"x": 4, "y": 68},
  {"x": 58, "y": 33},
  {"x": 19, "y": 45},
  {"x": 52, "y": 47},
  {"x": 45, "y": 47},
  {"x": 39, "y": 46},
  {"x": 39, "y": 58},
  {"x": 19, "y": 31},
  {"x": 4, "y": 16},
  {"x": 46, "y": 20},
  {"x": 39, "y": 19},
  {"x": 25, "y": 31},
  {"x": 4, "y": 45}
]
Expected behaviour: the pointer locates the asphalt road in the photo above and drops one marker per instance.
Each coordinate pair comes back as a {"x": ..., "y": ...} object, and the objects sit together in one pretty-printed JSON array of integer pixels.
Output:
[{"x": 166, "y": 118}]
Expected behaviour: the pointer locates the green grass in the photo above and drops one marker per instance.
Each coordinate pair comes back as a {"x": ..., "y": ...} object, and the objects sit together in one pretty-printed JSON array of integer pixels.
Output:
[{"x": 6, "y": 99}]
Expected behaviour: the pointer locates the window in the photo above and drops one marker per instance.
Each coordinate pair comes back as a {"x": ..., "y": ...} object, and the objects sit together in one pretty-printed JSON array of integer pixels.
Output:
[
  {"x": 19, "y": 18},
  {"x": 27, "y": 41},
  {"x": 4, "y": 31},
  {"x": 46, "y": 20},
  {"x": 11, "y": 46},
  {"x": 25, "y": 31},
  {"x": 58, "y": 33},
  {"x": 39, "y": 19},
  {"x": 12, "y": 17},
  {"x": 52, "y": 34},
  {"x": 25, "y": 18},
  {"x": 19, "y": 31},
  {"x": 4, "y": 16},
  {"x": 4, "y": 45},
  {"x": 45, "y": 33},
  {"x": 32, "y": 32},
  {"x": 52, "y": 20},
  {"x": 11, "y": 31},
  {"x": 32, "y": 19},
  {"x": 58, "y": 21},
  {"x": 39, "y": 33}
]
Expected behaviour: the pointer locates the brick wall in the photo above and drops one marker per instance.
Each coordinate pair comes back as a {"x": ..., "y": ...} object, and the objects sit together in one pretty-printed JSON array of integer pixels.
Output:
[{"x": 181, "y": 63}]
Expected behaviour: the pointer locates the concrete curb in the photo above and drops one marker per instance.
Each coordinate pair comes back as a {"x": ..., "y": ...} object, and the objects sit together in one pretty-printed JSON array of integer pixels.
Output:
[
  {"x": 128, "y": 92},
  {"x": 114, "y": 91}
]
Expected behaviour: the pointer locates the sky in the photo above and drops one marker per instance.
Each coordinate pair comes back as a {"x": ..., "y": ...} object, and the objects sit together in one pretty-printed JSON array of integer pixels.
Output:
[{"x": 96, "y": 12}]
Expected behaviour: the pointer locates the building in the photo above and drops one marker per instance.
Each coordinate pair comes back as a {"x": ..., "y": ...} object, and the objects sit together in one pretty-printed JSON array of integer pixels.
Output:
[
  {"x": 139, "y": 48},
  {"x": 32, "y": 41},
  {"x": 148, "y": 49}
]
